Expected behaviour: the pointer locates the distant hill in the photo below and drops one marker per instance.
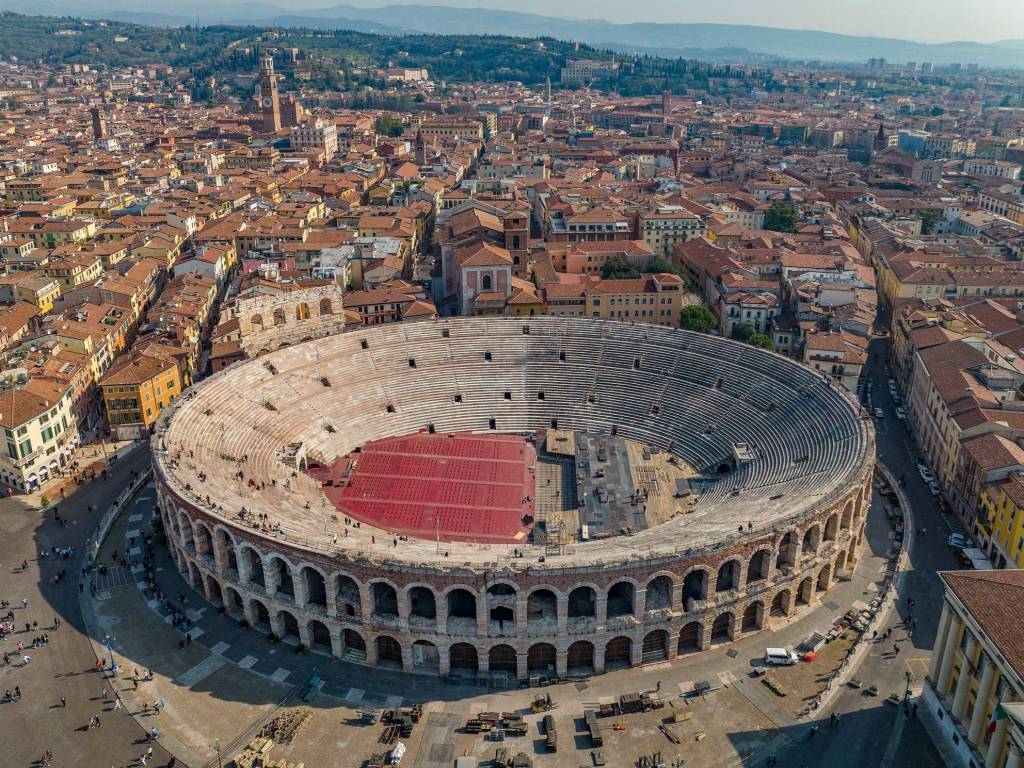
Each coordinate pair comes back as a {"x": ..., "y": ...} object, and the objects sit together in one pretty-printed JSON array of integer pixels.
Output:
[{"x": 712, "y": 41}]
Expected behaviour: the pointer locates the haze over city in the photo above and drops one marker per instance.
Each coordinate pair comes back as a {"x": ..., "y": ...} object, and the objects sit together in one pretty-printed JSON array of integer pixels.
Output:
[{"x": 469, "y": 387}]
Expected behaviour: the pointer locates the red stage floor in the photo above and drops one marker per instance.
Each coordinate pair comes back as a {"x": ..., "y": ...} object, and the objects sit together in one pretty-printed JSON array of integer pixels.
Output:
[{"x": 460, "y": 487}]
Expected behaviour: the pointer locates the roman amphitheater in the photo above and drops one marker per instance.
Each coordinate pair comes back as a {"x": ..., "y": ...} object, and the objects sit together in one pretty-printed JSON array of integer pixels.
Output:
[{"x": 508, "y": 498}]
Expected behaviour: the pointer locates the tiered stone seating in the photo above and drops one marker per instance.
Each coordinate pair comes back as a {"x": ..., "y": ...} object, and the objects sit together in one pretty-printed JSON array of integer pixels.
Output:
[{"x": 808, "y": 438}]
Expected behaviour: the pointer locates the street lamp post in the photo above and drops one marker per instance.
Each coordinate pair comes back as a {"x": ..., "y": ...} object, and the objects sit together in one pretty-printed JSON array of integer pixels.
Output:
[
  {"x": 216, "y": 744},
  {"x": 110, "y": 649}
]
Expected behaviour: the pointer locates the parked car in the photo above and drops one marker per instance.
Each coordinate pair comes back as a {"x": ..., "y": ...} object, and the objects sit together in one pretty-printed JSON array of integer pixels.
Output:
[
  {"x": 879, "y": 413},
  {"x": 901, "y": 414},
  {"x": 926, "y": 474},
  {"x": 780, "y": 657},
  {"x": 959, "y": 541},
  {"x": 935, "y": 488}
]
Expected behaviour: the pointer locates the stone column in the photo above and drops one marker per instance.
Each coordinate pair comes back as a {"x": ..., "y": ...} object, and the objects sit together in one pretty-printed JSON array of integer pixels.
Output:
[
  {"x": 277, "y": 624},
  {"x": 366, "y": 602},
  {"x": 640, "y": 603},
  {"x": 997, "y": 744},
  {"x": 562, "y": 607},
  {"x": 521, "y": 617},
  {"x": 371, "y": 651},
  {"x": 483, "y": 616},
  {"x": 305, "y": 636},
  {"x": 601, "y": 609},
  {"x": 337, "y": 645},
  {"x": 407, "y": 661},
  {"x": 598, "y": 659},
  {"x": 521, "y": 671},
  {"x": 271, "y": 577},
  {"x": 941, "y": 638},
  {"x": 677, "y": 598},
  {"x": 299, "y": 587},
  {"x": 562, "y": 663},
  {"x": 251, "y": 614},
  {"x": 444, "y": 662},
  {"x": 988, "y": 678},
  {"x": 960, "y": 697},
  {"x": 402, "y": 598},
  {"x": 636, "y": 653},
  {"x": 244, "y": 567},
  {"x": 948, "y": 654}
]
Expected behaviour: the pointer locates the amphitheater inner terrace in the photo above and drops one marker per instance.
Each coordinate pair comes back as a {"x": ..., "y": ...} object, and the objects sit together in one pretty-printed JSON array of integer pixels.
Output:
[{"x": 514, "y": 497}]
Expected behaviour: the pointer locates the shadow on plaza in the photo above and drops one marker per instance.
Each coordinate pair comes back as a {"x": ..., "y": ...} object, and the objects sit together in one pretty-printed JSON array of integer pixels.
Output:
[
  {"x": 338, "y": 676},
  {"x": 862, "y": 738}
]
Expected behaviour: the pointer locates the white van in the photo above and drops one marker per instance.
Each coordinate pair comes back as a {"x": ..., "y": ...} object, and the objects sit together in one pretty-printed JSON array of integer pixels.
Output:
[
  {"x": 780, "y": 657},
  {"x": 396, "y": 753}
]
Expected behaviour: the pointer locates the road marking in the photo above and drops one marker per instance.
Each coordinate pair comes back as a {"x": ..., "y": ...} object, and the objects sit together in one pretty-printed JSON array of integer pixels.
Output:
[
  {"x": 195, "y": 614},
  {"x": 247, "y": 662},
  {"x": 134, "y": 519},
  {"x": 354, "y": 695},
  {"x": 196, "y": 633},
  {"x": 134, "y": 551},
  {"x": 133, "y": 533},
  {"x": 219, "y": 648},
  {"x": 200, "y": 671},
  {"x": 280, "y": 675},
  {"x": 393, "y": 701},
  {"x": 140, "y": 585}
]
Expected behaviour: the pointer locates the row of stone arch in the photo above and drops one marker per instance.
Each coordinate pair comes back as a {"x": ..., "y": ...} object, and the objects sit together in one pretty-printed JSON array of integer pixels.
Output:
[
  {"x": 461, "y": 657},
  {"x": 341, "y": 595}
]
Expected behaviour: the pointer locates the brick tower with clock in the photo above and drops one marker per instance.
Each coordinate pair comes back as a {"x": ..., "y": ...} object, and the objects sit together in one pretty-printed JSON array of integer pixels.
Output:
[{"x": 270, "y": 103}]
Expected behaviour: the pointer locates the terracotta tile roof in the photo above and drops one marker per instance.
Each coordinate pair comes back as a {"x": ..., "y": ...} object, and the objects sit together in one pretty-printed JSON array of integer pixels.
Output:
[{"x": 996, "y": 601}]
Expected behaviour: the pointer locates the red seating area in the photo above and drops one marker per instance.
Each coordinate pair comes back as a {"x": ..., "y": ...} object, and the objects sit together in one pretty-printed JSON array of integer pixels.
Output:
[{"x": 457, "y": 487}]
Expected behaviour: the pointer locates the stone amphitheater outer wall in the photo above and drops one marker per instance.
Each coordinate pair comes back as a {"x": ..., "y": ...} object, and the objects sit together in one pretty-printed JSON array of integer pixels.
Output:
[{"x": 805, "y": 560}]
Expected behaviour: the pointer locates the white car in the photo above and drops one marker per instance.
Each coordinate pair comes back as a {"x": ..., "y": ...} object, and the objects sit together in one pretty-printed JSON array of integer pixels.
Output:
[
  {"x": 926, "y": 474},
  {"x": 879, "y": 413},
  {"x": 935, "y": 488},
  {"x": 780, "y": 657},
  {"x": 901, "y": 414}
]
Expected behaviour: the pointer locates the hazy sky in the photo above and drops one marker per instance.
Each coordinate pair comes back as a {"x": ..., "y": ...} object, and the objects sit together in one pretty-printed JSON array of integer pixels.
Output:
[{"x": 923, "y": 20}]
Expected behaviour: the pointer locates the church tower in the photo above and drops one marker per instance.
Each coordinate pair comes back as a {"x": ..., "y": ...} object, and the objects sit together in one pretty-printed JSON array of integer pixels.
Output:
[
  {"x": 421, "y": 149},
  {"x": 666, "y": 100},
  {"x": 881, "y": 142},
  {"x": 270, "y": 103}
]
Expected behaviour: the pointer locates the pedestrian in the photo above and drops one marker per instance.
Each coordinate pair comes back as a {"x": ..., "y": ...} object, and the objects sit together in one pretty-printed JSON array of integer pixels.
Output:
[
  {"x": 63, "y": 702},
  {"x": 173, "y": 761},
  {"x": 142, "y": 758},
  {"x": 97, "y": 721},
  {"x": 25, "y": 659},
  {"x": 117, "y": 704},
  {"x": 895, "y": 649},
  {"x": 659, "y": 686},
  {"x": 24, "y": 603},
  {"x": 103, "y": 695}
]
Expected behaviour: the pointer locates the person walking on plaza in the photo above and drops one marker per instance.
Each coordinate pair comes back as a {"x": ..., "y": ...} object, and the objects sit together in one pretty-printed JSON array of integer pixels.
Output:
[
  {"x": 117, "y": 704},
  {"x": 63, "y": 702}
]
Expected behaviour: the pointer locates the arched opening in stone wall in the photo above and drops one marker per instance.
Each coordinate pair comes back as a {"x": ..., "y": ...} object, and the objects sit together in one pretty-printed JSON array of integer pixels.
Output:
[
  {"x": 581, "y": 658},
  {"x": 659, "y": 594},
  {"x": 389, "y": 652},
  {"x": 620, "y": 599},
  {"x": 689, "y": 637},
  {"x": 780, "y": 603},
  {"x": 582, "y": 602},
  {"x": 618, "y": 653},
  {"x": 722, "y": 628},
  {"x": 728, "y": 576},
  {"x": 316, "y": 587},
  {"x": 541, "y": 658},
  {"x": 655, "y": 646},
  {"x": 347, "y": 595},
  {"x": 463, "y": 656},
  {"x": 760, "y": 563},
  {"x": 542, "y": 610},
  {"x": 355, "y": 646},
  {"x": 385, "y": 600},
  {"x": 319, "y": 636},
  {"x": 422, "y": 603},
  {"x": 502, "y": 658}
]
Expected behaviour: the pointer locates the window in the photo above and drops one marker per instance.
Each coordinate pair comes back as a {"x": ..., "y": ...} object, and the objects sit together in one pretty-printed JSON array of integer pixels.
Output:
[{"x": 25, "y": 447}]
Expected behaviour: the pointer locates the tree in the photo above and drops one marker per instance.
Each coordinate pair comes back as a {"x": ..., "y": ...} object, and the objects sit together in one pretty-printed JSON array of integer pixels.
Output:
[
  {"x": 697, "y": 317},
  {"x": 617, "y": 268},
  {"x": 661, "y": 264},
  {"x": 743, "y": 331},
  {"x": 780, "y": 217},
  {"x": 928, "y": 222},
  {"x": 761, "y": 340},
  {"x": 388, "y": 125}
]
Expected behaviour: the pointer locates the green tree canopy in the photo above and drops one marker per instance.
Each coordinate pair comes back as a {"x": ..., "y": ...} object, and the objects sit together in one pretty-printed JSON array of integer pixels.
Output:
[
  {"x": 388, "y": 125},
  {"x": 697, "y": 317},
  {"x": 743, "y": 331},
  {"x": 780, "y": 217},
  {"x": 928, "y": 221},
  {"x": 661, "y": 264},
  {"x": 616, "y": 267},
  {"x": 761, "y": 340}
]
